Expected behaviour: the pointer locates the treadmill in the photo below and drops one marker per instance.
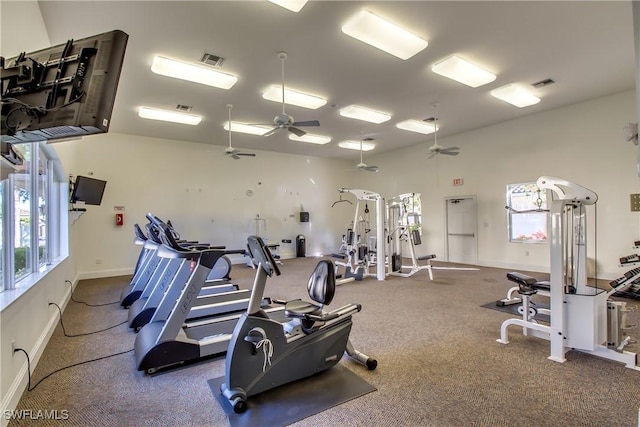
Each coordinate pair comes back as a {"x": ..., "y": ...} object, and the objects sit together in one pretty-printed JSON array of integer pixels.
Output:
[
  {"x": 165, "y": 343},
  {"x": 150, "y": 269},
  {"x": 217, "y": 297}
]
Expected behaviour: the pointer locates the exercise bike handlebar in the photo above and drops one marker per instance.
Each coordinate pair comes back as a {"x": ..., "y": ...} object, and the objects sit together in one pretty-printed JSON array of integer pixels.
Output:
[{"x": 262, "y": 255}]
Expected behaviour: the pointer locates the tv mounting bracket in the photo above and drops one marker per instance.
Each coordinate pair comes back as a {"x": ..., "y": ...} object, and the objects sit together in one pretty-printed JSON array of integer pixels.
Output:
[{"x": 27, "y": 75}]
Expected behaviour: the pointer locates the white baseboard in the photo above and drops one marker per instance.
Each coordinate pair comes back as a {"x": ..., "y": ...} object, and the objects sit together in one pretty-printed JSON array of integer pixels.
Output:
[
  {"x": 20, "y": 383},
  {"x": 104, "y": 273}
]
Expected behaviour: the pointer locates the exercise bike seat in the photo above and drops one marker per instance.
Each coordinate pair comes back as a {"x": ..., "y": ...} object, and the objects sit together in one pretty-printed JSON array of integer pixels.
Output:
[{"x": 322, "y": 288}]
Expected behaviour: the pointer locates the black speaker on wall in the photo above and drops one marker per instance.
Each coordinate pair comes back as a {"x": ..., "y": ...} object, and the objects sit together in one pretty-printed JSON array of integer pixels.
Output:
[{"x": 304, "y": 216}]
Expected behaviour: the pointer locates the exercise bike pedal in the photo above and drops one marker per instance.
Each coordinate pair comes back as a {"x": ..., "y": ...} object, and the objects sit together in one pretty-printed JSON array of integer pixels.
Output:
[{"x": 254, "y": 337}]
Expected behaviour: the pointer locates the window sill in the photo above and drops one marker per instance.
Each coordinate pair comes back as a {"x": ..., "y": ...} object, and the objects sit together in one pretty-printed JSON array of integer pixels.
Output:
[{"x": 7, "y": 297}]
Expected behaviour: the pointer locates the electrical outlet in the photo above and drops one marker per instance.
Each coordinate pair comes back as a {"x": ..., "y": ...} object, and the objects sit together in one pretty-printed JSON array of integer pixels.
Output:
[{"x": 635, "y": 202}]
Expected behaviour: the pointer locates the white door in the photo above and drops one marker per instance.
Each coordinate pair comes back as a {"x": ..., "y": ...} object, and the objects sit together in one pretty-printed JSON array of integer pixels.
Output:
[{"x": 461, "y": 229}]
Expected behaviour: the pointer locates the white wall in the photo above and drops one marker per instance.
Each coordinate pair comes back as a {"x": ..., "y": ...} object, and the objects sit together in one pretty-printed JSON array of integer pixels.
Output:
[
  {"x": 582, "y": 143},
  {"x": 15, "y": 37},
  {"x": 203, "y": 193}
]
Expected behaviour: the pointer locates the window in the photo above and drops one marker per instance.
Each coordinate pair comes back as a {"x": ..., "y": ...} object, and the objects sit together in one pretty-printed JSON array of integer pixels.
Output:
[
  {"x": 33, "y": 229},
  {"x": 527, "y": 213},
  {"x": 22, "y": 196},
  {"x": 43, "y": 195}
]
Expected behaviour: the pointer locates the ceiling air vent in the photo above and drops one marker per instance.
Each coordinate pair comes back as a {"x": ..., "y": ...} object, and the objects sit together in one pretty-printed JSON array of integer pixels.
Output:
[
  {"x": 543, "y": 83},
  {"x": 184, "y": 108},
  {"x": 211, "y": 59}
]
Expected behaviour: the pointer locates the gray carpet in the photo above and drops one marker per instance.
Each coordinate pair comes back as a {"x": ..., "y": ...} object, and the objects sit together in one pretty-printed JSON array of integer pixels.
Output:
[{"x": 438, "y": 363}]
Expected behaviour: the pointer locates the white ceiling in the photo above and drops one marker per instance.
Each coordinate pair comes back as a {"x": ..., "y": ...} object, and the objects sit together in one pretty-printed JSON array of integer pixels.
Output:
[{"x": 586, "y": 47}]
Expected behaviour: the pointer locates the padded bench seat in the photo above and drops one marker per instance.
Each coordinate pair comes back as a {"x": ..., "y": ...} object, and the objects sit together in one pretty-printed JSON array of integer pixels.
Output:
[{"x": 528, "y": 285}]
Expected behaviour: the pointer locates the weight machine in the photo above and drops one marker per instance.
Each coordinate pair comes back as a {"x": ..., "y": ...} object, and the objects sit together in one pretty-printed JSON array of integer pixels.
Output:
[
  {"x": 258, "y": 227},
  {"x": 357, "y": 247},
  {"x": 581, "y": 316},
  {"x": 403, "y": 227}
]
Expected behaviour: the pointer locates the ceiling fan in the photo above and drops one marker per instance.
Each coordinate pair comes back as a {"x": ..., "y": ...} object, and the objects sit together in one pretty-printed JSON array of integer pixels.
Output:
[
  {"x": 230, "y": 151},
  {"x": 283, "y": 120},
  {"x": 436, "y": 148},
  {"x": 362, "y": 166}
]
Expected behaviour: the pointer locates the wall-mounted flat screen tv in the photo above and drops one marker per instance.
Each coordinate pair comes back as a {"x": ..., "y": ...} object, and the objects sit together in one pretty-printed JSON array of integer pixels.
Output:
[
  {"x": 64, "y": 91},
  {"x": 88, "y": 190}
]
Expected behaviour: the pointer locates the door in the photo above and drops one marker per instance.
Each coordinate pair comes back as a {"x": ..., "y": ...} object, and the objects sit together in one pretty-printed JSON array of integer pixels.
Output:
[{"x": 461, "y": 229}]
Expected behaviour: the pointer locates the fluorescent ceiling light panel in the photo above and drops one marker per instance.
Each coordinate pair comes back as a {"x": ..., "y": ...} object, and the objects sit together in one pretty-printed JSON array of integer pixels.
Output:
[
  {"x": 355, "y": 145},
  {"x": 363, "y": 113},
  {"x": 169, "y": 116},
  {"x": 292, "y": 5},
  {"x": 417, "y": 126},
  {"x": 192, "y": 72},
  {"x": 515, "y": 95},
  {"x": 463, "y": 71},
  {"x": 293, "y": 97},
  {"x": 310, "y": 138},
  {"x": 246, "y": 128},
  {"x": 380, "y": 33}
]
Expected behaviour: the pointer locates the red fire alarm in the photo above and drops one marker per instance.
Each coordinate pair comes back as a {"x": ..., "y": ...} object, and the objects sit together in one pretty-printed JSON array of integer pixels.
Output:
[{"x": 119, "y": 219}]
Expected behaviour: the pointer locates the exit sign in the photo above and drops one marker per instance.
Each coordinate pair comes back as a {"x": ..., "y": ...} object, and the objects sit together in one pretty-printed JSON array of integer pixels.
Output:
[{"x": 457, "y": 181}]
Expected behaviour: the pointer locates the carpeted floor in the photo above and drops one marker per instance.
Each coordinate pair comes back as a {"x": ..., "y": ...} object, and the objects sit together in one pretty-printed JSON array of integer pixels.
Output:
[{"x": 438, "y": 363}]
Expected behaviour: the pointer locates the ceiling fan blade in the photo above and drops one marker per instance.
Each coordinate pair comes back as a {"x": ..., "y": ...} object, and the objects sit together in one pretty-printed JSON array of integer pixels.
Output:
[
  {"x": 371, "y": 168},
  {"x": 246, "y": 154},
  {"x": 296, "y": 131},
  {"x": 451, "y": 149},
  {"x": 432, "y": 155},
  {"x": 271, "y": 132},
  {"x": 307, "y": 123},
  {"x": 450, "y": 153},
  {"x": 235, "y": 156}
]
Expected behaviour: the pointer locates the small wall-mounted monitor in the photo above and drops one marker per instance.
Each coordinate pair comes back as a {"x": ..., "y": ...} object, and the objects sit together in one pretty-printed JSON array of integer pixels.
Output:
[
  {"x": 88, "y": 190},
  {"x": 64, "y": 91}
]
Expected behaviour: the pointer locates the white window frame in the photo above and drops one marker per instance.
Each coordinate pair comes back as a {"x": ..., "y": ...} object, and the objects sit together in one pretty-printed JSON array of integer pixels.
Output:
[
  {"x": 57, "y": 217},
  {"x": 527, "y": 213}
]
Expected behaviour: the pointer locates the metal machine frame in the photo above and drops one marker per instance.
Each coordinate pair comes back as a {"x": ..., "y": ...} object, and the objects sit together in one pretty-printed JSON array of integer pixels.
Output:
[{"x": 578, "y": 312}]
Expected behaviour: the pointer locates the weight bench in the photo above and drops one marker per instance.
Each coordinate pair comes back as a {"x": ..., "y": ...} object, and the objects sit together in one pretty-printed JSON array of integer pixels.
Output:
[{"x": 527, "y": 285}]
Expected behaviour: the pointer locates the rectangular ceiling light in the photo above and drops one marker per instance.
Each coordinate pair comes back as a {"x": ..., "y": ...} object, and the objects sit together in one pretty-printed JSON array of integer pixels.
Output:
[
  {"x": 355, "y": 145},
  {"x": 515, "y": 95},
  {"x": 380, "y": 33},
  {"x": 169, "y": 116},
  {"x": 463, "y": 71},
  {"x": 246, "y": 128},
  {"x": 365, "y": 114},
  {"x": 293, "y": 97},
  {"x": 192, "y": 72},
  {"x": 292, "y": 5},
  {"x": 417, "y": 126},
  {"x": 310, "y": 138}
]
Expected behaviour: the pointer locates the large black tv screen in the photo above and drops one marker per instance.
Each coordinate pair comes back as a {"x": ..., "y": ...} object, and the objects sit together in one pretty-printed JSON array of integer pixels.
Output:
[
  {"x": 64, "y": 91},
  {"x": 88, "y": 190}
]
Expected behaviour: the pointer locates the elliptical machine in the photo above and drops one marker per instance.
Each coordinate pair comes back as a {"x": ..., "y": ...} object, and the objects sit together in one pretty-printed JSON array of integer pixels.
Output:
[{"x": 312, "y": 341}]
